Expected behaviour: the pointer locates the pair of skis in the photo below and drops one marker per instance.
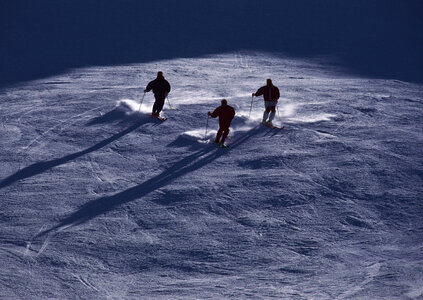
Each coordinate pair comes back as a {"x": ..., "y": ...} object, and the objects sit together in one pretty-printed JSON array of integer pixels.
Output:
[
  {"x": 271, "y": 126},
  {"x": 220, "y": 145},
  {"x": 158, "y": 118}
]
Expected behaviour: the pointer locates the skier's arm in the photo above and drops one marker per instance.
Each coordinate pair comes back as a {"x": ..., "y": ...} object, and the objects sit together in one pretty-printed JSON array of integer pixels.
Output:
[
  {"x": 259, "y": 92},
  {"x": 277, "y": 94},
  {"x": 214, "y": 114},
  {"x": 233, "y": 114},
  {"x": 167, "y": 87},
  {"x": 149, "y": 87}
]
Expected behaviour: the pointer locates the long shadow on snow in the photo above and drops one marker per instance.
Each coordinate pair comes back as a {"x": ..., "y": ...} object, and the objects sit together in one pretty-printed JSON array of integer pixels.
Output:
[
  {"x": 186, "y": 165},
  {"x": 41, "y": 167},
  {"x": 111, "y": 116},
  {"x": 122, "y": 114}
]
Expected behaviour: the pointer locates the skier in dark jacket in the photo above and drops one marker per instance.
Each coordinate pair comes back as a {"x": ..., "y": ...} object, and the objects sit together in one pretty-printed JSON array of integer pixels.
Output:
[
  {"x": 225, "y": 113},
  {"x": 271, "y": 95},
  {"x": 161, "y": 89}
]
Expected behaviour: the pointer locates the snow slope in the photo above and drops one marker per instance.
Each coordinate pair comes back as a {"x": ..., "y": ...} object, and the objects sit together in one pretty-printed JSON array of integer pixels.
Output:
[{"x": 101, "y": 201}]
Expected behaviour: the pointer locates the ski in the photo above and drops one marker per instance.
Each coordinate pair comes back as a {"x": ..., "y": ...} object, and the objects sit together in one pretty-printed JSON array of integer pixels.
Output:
[
  {"x": 273, "y": 126},
  {"x": 221, "y": 145},
  {"x": 159, "y": 118}
]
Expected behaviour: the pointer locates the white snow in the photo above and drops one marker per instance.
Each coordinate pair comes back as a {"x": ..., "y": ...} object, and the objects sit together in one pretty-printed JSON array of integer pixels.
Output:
[{"x": 101, "y": 201}]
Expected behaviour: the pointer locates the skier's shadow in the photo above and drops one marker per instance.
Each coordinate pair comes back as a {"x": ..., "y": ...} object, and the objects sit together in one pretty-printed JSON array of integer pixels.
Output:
[
  {"x": 186, "y": 165},
  {"x": 40, "y": 167}
]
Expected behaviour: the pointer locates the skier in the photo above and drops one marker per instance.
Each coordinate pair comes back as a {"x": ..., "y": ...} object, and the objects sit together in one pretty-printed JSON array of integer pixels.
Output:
[
  {"x": 271, "y": 95},
  {"x": 161, "y": 89},
  {"x": 225, "y": 113}
]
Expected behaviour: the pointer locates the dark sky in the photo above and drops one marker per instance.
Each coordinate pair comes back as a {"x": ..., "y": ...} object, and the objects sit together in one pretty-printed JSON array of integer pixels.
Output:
[{"x": 381, "y": 38}]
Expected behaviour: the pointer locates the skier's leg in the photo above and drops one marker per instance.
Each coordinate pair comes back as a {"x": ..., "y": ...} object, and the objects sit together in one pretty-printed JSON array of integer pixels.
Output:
[
  {"x": 155, "y": 111},
  {"x": 265, "y": 115},
  {"x": 158, "y": 105},
  {"x": 218, "y": 135},
  {"x": 225, "y": 134},
  {"x": 272, "y": 114},
  {"x": 267, "y": 106}
]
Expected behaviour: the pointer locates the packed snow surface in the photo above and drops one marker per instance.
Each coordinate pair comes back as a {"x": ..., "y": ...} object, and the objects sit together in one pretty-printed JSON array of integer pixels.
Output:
[{"x": 99, "y": 200}]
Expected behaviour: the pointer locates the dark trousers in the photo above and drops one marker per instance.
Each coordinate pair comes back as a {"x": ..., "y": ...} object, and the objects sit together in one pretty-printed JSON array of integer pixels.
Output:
[
  {"x": 158, "y": 104},
  {"x": 222, "y": 133}
]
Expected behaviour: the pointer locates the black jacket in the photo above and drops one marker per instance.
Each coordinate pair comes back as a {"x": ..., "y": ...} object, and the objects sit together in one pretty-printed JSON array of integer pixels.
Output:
[
  {"x": 225, "y": 113},
  {"x": 270, "y": 93},
  {"x": 160, "y": 87}
]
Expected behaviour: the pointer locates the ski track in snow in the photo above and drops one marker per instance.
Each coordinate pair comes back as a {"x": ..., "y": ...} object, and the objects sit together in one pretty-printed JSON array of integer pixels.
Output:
[
  {"x": 62, "y": 126},
  {"x": 101, "y": 201}
]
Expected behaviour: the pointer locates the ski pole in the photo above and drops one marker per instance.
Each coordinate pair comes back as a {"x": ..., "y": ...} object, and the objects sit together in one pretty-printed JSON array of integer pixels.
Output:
[
  {"x": 251, "y": 107},
  {"x": 169, "y": 102},
  {"x": 142, "y": 100},
  {"x": 277, "y": 109},
  {"x": 207, "y": 126}
]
